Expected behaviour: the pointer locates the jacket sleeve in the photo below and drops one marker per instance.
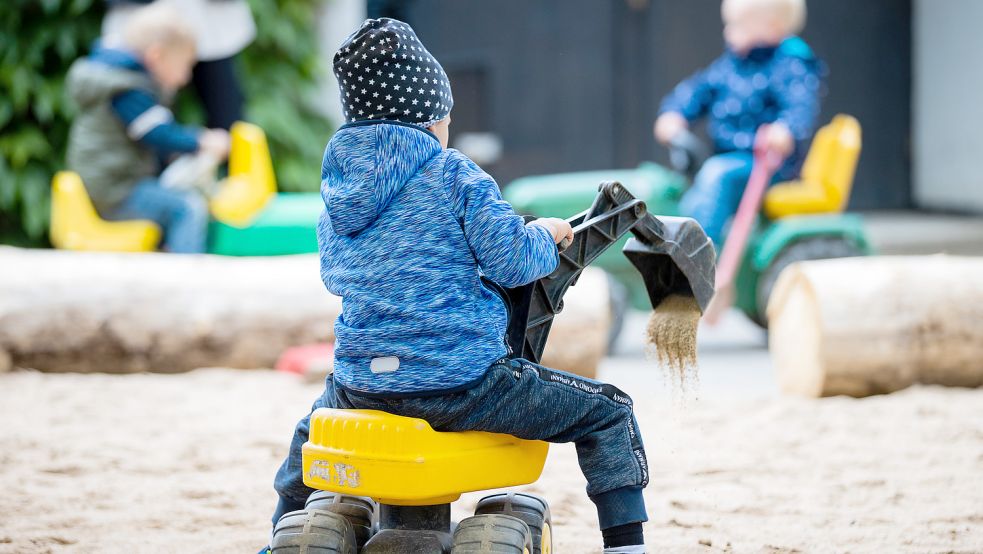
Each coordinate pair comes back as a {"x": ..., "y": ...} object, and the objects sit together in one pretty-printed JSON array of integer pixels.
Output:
[
  {"x": 508, "y": 251},
  {"x": 796, "y": 84},
  {"x": 693, "y": 96},
  {"x": 152, "y": 124}
]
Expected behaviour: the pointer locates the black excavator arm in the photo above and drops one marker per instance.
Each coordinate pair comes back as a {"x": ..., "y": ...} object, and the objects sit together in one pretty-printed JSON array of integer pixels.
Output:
[{"x": 673, "y": 254}]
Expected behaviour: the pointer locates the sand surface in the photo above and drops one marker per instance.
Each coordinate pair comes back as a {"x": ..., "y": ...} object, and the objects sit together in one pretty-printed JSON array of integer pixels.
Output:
[{"x": 183, "y": 463}]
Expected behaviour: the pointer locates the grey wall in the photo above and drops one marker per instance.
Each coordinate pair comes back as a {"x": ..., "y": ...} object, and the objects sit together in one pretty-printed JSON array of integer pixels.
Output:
[{"x": 947, "y": 105}]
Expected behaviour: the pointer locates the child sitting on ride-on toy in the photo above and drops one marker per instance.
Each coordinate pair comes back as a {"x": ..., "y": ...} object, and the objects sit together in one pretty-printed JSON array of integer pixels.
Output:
[
  {"x": 769, "y": 81},
  {"x": 122, "y": 131},
  {"x": 418, "y": 242}
]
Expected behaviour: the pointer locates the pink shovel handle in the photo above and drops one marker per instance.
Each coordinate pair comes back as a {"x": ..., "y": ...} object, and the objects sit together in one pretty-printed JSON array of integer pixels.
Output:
[{"x": 766, "y": 162}]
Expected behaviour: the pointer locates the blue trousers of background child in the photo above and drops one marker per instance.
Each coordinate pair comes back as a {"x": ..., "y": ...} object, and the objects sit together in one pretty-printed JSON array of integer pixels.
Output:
[
  {"x": 716, "y": 192},
  {"x": 182, "y": 214},
  {"x": 525, "y": 400}
]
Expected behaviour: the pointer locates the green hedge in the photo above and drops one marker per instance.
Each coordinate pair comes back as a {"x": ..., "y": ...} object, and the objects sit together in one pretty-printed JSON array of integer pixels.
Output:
[{"x": 39, "y": 39}]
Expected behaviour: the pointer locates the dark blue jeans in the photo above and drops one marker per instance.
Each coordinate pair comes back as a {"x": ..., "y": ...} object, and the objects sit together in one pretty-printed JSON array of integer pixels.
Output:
[
  {"x": 182, "y": 214},
  {"x": 525, "y": 400}
]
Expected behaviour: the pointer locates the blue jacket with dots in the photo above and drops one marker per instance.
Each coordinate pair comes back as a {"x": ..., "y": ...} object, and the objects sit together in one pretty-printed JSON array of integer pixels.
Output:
[
  {"x": 408, "y": 232},
  {"x": 739, "y": 94}
]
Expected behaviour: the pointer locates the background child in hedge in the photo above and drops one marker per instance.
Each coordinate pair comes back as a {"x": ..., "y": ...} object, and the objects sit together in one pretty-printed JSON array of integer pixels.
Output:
[{"x": 123, "y": 132}]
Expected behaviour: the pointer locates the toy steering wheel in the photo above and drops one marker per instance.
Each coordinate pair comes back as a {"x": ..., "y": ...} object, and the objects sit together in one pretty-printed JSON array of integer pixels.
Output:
[{"x": 687, "y": 153}]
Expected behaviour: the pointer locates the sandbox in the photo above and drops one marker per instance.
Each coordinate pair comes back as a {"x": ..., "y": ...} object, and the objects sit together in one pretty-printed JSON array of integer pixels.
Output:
[{"x": 184, "y": 463}]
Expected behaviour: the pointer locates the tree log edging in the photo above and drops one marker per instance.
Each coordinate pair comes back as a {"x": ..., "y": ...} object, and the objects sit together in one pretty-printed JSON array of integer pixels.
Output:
[
  {"x": 863, "y": 326},
  {"x": 122, "y": 313}
]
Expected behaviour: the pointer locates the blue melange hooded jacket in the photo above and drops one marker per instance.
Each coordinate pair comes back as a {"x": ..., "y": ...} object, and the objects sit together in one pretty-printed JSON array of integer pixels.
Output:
[{"x": 408, "y": 231}]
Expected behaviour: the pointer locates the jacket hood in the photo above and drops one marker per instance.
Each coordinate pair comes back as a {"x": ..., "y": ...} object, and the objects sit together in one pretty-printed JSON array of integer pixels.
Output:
[{"x": 366, "y": 165}]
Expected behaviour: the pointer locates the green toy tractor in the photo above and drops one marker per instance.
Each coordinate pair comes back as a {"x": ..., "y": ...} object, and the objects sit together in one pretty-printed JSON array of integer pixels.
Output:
[{"x": 801, "y": 220}]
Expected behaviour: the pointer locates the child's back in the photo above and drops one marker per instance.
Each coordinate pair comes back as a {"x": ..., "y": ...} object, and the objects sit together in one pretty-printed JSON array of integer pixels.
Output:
[{"x": 406, "y": 226}]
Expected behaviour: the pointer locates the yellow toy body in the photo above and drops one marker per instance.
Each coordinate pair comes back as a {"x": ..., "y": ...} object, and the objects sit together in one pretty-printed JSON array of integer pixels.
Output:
[
  {"x": 827, "y": 174},
  {"x": 251, "y": 182},
  {"x": 75, "y": 225},
  {"x": 402, "y": 461}
]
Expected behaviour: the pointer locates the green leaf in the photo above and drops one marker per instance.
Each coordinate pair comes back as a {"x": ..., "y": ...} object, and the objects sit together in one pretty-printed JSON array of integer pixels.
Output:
[
  {"x": 65, "y": 46},
  {"x": 6, "y": 112},
  {"x": 20, "y": 87},
  {"x": 46, "y": 98},
  {"x": 24, "y": 144},
  {"x": 35, "y": 194},
  {"x": 8, "y": 185},
  {"x": 79, "y": 6}
]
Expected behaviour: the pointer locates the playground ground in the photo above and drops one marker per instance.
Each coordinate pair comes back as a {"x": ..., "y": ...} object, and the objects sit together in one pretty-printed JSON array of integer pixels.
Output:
[{"x": 183, "y": 463}]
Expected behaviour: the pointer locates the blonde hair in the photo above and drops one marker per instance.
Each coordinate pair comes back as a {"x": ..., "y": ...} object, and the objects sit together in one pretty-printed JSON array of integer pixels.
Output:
[
  {"x": 158, "y": 25},
  {"x": 790, "y": 12}
]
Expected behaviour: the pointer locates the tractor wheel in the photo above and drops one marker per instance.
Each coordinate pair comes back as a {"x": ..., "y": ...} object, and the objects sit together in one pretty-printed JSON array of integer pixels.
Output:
[
  {"x": 313, "y": 532},
  {"x": 492, "y": 533},
  {"x": 817, "y": 248},
  {"x": 357, "y": 510},
  {"x": 530, "y": 509}
]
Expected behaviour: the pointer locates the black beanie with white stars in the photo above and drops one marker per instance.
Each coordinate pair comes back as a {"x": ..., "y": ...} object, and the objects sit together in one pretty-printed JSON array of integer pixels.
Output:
[{"x": 384, "y": 72}]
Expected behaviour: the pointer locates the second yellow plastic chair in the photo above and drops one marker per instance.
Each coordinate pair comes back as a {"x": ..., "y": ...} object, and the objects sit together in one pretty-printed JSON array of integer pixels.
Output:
[
  {"x": 251, "y": 182},
  {"x": 827, "y": 174}
]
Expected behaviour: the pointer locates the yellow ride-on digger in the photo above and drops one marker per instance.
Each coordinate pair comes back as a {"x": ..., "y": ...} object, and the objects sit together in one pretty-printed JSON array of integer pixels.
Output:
[{"x": 386, "y": 482}]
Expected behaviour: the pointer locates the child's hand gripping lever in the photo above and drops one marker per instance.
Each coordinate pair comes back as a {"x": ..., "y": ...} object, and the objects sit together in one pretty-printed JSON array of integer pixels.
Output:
[
  {"x": 560, "y": 230},
  {"x": 767, "y": 159},
  {"x": 673, "y": 254}
]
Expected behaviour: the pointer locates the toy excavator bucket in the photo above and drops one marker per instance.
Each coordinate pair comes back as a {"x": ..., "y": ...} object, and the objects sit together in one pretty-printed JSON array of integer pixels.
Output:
[
  {"x": 673, "y": 254},
  {"x": 680, "y": 261}
]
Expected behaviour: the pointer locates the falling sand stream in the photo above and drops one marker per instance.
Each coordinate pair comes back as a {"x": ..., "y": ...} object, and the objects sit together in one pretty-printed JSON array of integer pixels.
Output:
[{"x": 671, "y": 338}]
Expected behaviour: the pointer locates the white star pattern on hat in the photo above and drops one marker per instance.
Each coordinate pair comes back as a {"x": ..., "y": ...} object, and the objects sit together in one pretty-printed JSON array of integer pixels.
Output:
[{"x": 390, "y": 39}]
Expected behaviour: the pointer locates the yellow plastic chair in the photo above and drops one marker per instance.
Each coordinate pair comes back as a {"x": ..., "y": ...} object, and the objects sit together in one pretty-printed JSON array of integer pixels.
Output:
[
  {"x": 827, "y": 175},
  {"x": 402, "y": 461},
  {"x": 414, "y": 473},
  {"x": 75, "y": 225},
  {"x": 251, "y": 182}
]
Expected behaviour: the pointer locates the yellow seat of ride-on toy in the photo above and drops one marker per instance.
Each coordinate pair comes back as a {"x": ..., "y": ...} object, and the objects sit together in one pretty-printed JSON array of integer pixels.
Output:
[
  {"x": 827, "y": 174},
  {"x": 75, "y": 225},
  {"x": 251, "y": 182},
  {"x": 403, "y": 461}
]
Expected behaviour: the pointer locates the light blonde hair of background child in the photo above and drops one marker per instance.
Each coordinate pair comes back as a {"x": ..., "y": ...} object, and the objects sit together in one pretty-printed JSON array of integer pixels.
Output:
[
  {"x": 790, "y": 12},
  {"x": 158, "y": 25}
]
